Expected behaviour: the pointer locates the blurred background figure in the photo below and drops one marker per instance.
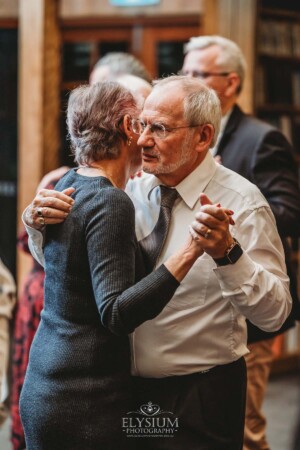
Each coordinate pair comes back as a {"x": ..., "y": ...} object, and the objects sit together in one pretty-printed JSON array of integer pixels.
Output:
[
  {"x": 27, "y": 318},
  {"x": 136, "y": 84},
  {"x": 262, "y": 154},
  {"x": 7, "y": 303},
  {"x": 118, "y": 63}
]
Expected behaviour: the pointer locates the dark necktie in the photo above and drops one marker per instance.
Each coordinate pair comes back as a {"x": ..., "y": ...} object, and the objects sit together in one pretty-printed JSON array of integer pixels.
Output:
[{"x": 152, "y": 244}]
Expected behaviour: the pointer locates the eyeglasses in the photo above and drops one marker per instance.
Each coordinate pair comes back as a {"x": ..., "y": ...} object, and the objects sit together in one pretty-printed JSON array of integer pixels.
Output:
[
  {"x": 196, "y": 74},
  {"x": 158, "y": 130}
]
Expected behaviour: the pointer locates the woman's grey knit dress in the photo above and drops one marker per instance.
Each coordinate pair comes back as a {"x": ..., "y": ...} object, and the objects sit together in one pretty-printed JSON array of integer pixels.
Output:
[{"x": 78, "y": 387}]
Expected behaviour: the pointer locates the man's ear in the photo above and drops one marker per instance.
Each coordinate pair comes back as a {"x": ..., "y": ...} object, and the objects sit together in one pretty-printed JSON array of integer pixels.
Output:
[
  {"x": 205, "y": 136},
  {"x": 233, "y": 83}
]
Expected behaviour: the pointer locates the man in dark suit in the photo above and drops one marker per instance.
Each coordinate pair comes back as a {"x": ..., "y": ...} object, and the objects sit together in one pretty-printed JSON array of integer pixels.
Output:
[{"x": 260, "y": 153}]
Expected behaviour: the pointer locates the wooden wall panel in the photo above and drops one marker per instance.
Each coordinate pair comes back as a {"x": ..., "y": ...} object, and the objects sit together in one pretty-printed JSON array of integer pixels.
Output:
[
  {"x": 9, "y": 8},
  {"x": 94, "y": 8},
  {"x": 39, "y": 96}
]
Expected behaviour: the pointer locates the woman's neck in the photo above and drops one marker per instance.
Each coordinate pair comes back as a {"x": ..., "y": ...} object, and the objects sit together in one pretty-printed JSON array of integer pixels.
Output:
[{"x": 110, "y": 169}]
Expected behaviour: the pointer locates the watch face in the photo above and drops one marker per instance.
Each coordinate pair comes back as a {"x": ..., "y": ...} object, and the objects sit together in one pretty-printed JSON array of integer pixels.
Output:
[{"x": 234, "y": 254}]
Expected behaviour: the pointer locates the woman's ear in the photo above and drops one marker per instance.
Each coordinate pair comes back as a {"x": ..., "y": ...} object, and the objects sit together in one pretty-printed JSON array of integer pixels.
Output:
[{"x": 127, "y": 127}]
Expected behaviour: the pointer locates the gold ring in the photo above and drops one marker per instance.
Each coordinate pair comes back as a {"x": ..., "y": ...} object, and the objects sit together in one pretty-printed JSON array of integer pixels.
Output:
[
  {"x": 39, "y": 212},
  {"x": 206, "y": 235},
  {"x": 41, "y": 221}
]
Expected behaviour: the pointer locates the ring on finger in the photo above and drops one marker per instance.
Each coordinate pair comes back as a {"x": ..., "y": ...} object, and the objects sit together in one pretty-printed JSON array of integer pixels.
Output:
[
  {"x": 41, "y": 221},
  {"x": 39, "y": 212},
  {"x": 207, "y": 233}
]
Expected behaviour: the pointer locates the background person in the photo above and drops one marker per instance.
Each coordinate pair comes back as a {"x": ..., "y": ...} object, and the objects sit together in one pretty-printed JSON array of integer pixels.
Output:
[
  {"x": 7, "y": 303},
  {"x": 135, "y": 84},
  {"x": 260, "y": 153},
  {"x": 189, "y": 359},
  {"x": 115, "y": 64},
  {"x": 77, "y": 384}
]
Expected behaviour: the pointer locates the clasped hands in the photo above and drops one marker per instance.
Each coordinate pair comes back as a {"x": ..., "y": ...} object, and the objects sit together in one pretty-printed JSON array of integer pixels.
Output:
[{"x": 210, "y": 228}]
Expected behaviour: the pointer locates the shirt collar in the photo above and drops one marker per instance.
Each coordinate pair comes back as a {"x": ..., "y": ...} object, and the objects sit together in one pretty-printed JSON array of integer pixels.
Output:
[{"x": 191, "y": 187}]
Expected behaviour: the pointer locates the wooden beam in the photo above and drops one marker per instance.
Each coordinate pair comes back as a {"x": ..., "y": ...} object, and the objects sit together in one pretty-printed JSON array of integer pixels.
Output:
[{"x": 39, "y": 95}]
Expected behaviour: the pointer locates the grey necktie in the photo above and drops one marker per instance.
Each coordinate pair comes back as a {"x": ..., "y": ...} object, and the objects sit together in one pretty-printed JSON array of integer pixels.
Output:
[{"x": 152, "y": 244}]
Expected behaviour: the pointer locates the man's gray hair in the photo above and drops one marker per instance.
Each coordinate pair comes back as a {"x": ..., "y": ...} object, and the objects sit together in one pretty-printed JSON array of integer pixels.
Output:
[
  {"x": 94, "y": 118},
  {"x": 201, "y": 104},
  {"x": 121, "y": 63},
  {"x": 231, "y": 58}
]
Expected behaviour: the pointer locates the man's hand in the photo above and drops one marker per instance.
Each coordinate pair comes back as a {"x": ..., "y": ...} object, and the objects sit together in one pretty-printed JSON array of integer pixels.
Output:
[
  {"x": 211, "y": 228},
  {"x": 49, "y": 207}
]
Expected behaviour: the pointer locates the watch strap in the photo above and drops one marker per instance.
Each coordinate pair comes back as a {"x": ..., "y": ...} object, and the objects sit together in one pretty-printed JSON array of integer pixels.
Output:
[{"x": 232, "y": 255}]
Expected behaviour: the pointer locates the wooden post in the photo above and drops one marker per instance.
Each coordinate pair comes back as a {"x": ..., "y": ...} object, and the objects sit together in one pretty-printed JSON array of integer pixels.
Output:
[
  {"x": 39, "y": 98},
  {"x": 235, "y": 20},
  {"x": 210, "y": 15}
]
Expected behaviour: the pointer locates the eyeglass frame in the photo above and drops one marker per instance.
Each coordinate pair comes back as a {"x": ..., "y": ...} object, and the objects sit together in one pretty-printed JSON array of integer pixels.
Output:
[
  {"x": 165, "y": 129},
  {"x": 199, "y": 74}
]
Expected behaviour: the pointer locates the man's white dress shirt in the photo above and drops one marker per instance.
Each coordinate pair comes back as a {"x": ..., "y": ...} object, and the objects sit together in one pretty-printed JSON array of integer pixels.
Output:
[{"x": 203, "y": 325}]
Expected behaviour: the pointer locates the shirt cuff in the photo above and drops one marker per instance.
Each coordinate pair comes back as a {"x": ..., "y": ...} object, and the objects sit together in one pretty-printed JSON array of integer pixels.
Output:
[
  {"x": 35, "y": 242},
  {"x": 233, "y": 276}
]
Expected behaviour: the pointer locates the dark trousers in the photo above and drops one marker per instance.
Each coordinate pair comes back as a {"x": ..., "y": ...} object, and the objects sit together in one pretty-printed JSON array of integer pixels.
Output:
[{"x": 210, "y": 407}]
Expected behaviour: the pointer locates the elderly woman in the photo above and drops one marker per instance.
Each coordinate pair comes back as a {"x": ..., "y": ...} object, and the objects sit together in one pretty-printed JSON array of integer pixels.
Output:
[{"x": 78, "y": 386}]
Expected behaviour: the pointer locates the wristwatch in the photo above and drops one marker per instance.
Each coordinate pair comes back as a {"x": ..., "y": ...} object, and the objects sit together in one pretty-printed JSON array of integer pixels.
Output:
[{"x": 232, "y": 254}]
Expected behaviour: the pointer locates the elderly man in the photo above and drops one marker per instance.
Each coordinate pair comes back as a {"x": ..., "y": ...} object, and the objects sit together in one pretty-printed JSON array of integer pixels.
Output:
[
  {"x": 260, "y": 153},
  {"x": 115, "y": 64},
  {"x": 189, "y": 360}
]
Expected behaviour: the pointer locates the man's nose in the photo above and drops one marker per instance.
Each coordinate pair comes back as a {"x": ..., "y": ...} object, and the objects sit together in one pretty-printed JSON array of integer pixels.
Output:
[{"x": 146, "y": 138}]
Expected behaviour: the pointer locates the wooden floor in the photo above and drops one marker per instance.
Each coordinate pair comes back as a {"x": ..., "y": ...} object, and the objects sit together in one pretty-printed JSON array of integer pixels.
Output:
[{"x": 282, "y": 408}]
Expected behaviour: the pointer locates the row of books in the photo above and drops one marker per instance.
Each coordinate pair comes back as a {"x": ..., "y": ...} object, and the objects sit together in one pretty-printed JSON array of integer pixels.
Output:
[
  {"x": 279, "y": 38},
  {"x": 290, "y": 5},
  {"x": 277, "y": 85}
]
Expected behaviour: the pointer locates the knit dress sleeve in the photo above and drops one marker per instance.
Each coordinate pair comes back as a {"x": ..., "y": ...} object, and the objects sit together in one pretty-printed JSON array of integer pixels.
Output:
[{"x": 111, "y": 248}]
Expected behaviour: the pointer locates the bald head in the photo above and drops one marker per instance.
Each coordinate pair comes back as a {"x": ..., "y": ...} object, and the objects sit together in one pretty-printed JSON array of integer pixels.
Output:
[{"x": 135, "y": 84}]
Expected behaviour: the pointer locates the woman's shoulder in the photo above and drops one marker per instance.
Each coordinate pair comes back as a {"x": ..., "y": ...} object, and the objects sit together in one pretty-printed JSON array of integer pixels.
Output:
[
  {"x": 112, "y": 197},
  {"x": 65, "y": 180}
]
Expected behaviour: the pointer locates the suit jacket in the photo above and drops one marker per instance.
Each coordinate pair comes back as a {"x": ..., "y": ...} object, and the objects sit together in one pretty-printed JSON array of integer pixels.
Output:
[{"x": 261, "y": 153}]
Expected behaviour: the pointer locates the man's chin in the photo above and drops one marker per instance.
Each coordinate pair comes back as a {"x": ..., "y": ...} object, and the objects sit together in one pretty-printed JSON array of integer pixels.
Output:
[{"x": 148, "y": 169}]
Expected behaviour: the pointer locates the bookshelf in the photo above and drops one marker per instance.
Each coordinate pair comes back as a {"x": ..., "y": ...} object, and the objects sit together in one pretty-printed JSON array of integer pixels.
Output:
[
  {"x": 276, "y": 96},
  {"x": 277, "y": 75}
]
